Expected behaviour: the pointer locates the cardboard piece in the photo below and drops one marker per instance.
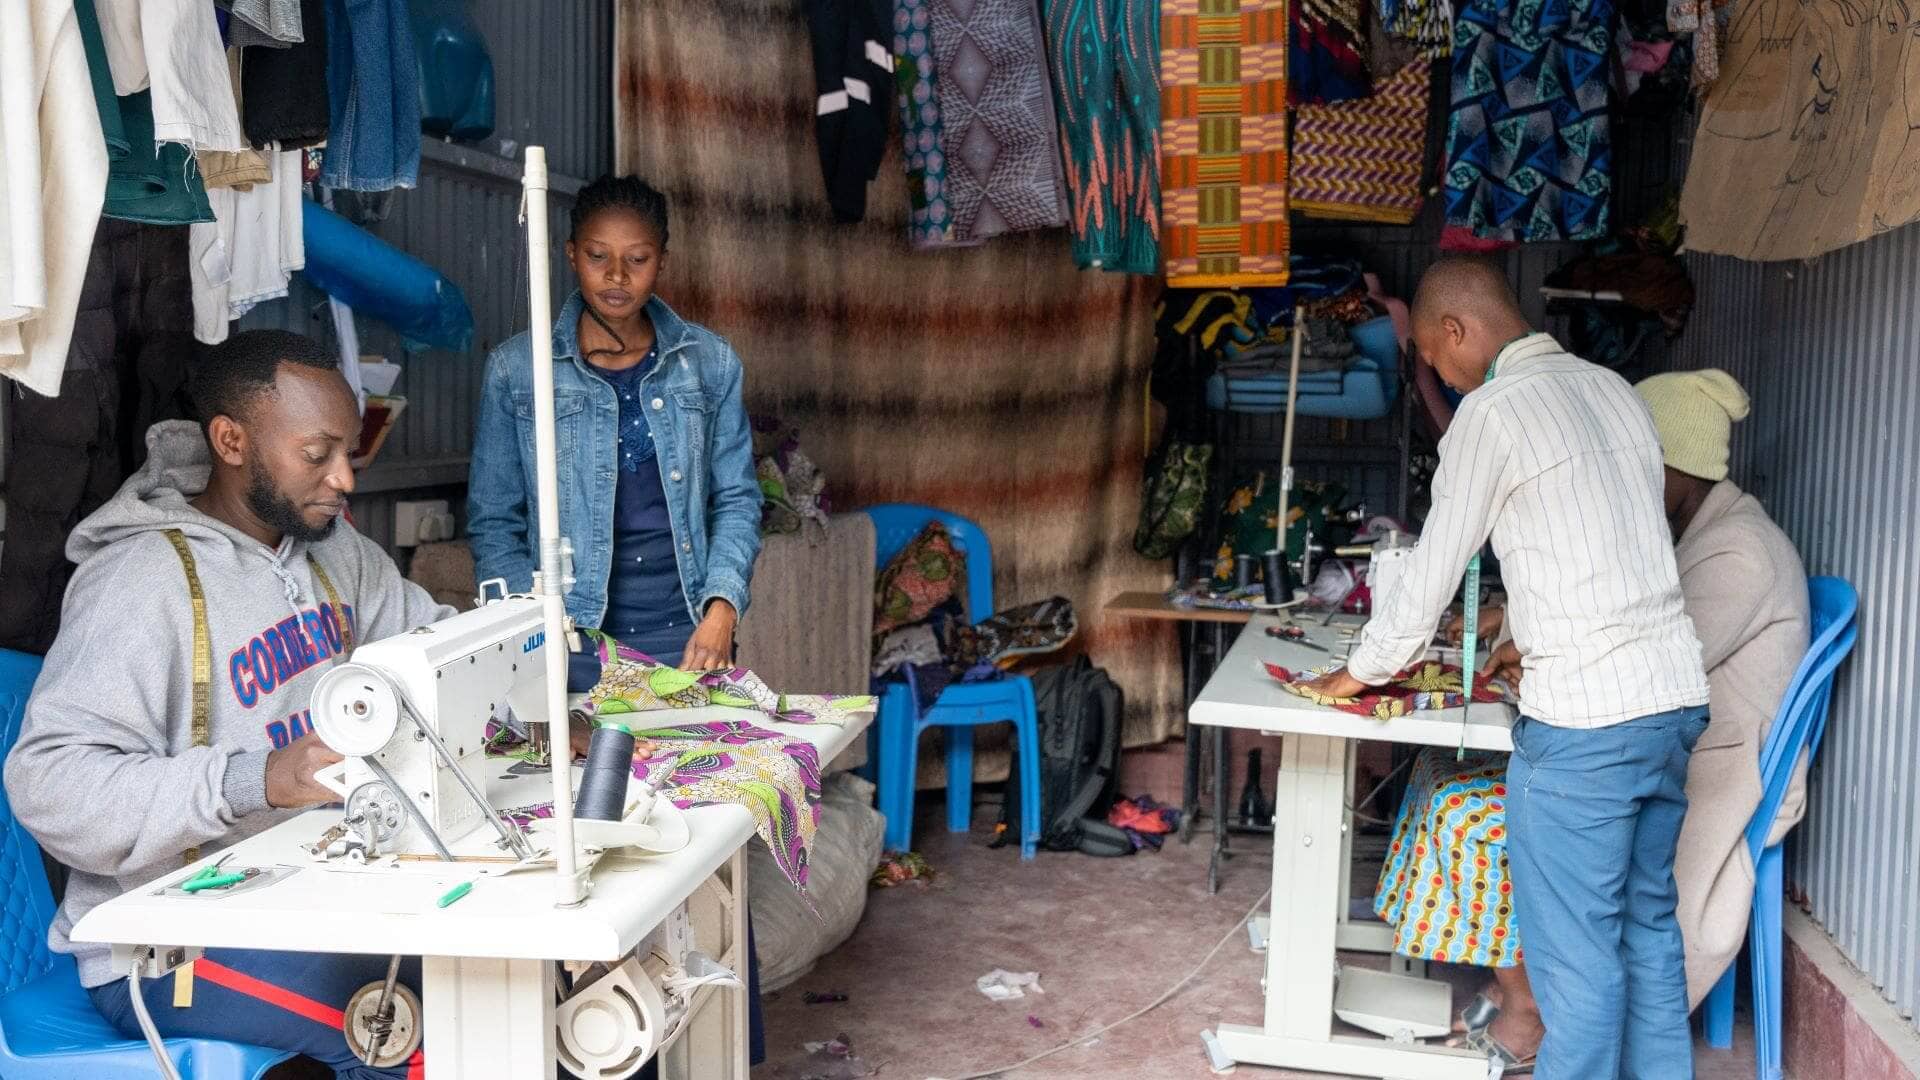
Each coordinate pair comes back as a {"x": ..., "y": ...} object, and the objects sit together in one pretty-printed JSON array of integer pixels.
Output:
[{"x": 1810, "y": 140}]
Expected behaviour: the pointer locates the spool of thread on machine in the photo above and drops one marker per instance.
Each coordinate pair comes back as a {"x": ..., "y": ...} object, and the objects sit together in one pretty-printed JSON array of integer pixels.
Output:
[{"x": 603, "y": 785}]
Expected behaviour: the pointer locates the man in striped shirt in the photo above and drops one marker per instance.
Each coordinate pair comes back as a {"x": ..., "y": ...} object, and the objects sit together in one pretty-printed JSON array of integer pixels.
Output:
[{"x": 1557, "y": 461}]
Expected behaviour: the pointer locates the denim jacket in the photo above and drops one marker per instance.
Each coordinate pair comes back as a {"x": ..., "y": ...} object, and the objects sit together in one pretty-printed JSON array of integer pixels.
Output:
[{"x": 704, "y": 450}]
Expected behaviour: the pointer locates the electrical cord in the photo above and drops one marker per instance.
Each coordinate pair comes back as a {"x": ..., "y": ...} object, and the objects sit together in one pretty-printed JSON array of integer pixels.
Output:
[
  {"x": 167, "y": 1071},
  {"x": 1136, "y": 1014}
]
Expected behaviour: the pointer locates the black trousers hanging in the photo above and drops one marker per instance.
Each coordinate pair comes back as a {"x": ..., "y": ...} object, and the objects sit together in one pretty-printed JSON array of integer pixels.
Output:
[{"x": 66, "y": 455}]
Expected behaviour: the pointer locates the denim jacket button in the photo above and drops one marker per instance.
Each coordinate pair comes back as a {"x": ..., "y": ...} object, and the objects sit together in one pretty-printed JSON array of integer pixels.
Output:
[
  {"x": 675, "y": 475},
  {"x": 659, "y": 404},
  {"x": 686, "y": 546}
]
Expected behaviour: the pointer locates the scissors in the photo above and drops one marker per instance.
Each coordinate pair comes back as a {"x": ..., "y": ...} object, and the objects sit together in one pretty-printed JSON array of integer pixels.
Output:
[{"x": 1296, "y": 635}]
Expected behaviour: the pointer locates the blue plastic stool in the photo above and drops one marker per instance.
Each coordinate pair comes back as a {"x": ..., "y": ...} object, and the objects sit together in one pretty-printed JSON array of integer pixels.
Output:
[
  {"x": 49, "y": 1029},
  {"x": 961, "y": 707},
  {"x": 1801, "y": 722}
]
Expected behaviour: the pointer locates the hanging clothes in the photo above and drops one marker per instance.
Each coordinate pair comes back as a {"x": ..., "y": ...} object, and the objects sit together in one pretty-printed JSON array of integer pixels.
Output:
[
  {"x": 1365, "y": 160},
  {"x": 173, "y": 49},
  {"x": 1000, "y": 139},
  {"x": 66, "y": 455},
  {"x": 157, "y": 183},
  {"x": 373, "y": 85},
  {"x": 1327, "y": 60},
  {"x": 233, "y": 168},
  {"x": 1223, "y": 134},
  {"x": 1528, "y": 140},
  {"x": 1426, "y": 23},
  {"x": 853, "y": 78},
  {"x": 1106, "y": 89},
  {"x": 53, "y": 178},
  {"x": 273, "y": 24},
  {"x": 248, "y": 253},
  {"x": 922, "y": 137},
  {"x": 280, "y": 100}
]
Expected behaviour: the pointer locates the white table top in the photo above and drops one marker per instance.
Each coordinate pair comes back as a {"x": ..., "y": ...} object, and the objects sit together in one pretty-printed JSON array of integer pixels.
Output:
[
  {"x": 1242, "y": 695},
  {"x": 503, "y": 917}
]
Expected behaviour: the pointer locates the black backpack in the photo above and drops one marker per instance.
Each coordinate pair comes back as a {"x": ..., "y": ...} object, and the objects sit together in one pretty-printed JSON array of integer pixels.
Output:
[{"x": 1080, "y": 711}]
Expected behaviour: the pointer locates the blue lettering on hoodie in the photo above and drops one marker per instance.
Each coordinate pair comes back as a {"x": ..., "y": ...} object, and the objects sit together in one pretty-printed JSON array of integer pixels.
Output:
[{"x": 281, "y": 652}]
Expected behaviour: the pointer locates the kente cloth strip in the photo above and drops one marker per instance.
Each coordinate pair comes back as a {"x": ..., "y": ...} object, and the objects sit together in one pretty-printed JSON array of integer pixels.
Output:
[
  {"x": 1106, "y": 90},
  {"x": 996, "y": 116},
  {"x": 1328, "y": 61},
  {"x": 1528, "y": 142},
  {"x": 1444, "y": 886},
  {"x": 1223, "y": 142},
  {"x": 1424, "y": 686},
  {"x": 1364, "y": 160}
]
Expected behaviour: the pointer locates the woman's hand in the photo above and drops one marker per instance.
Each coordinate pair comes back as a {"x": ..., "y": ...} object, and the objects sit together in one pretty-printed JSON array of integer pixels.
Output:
[
  {"x": 711, "y": 646},
  {"x": 580, "y": 733}
]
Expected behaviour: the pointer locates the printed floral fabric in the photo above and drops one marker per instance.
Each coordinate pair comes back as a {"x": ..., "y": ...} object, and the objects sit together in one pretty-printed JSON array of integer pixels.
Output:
[
  {"x": 1444, "y": 887},
  {"x": 792, "y": 488},
  {"x": 1426, "y": 685},
  {"x": 920, "y": 578},
  {"x": 776, "y": 777}
]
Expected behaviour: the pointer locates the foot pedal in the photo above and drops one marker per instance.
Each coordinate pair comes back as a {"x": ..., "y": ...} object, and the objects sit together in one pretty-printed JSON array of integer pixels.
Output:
[{"x": 1217, "y": 1058}]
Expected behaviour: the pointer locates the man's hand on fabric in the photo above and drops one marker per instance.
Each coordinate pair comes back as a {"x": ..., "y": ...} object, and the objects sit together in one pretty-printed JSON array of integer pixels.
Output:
[
  {"x": 711, "y": 647},
  {"x": 290, "y": 769},
  {"x": 580, "y": 733},
  {"x": 1337, "y": 684},
  {"x": 1490, "y": 620}
]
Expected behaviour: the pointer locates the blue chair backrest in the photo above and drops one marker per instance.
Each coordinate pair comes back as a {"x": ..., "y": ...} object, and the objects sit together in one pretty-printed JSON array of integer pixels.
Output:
[
  {"x": 1802, "y": 719},
  {"x": 896, "y": 524},
  {"x": 26, "y": 903}
]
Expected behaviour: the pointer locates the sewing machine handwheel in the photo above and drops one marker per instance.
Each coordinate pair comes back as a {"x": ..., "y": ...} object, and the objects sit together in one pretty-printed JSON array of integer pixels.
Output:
[
  {"x": 378, "y": 811},
  {"x": 355, "y": 710},
  {"x": 403, "y": 1038}
]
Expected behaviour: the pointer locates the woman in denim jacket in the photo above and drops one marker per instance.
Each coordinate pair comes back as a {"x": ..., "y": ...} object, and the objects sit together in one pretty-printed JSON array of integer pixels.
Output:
[{"x": 657, "y": 488}]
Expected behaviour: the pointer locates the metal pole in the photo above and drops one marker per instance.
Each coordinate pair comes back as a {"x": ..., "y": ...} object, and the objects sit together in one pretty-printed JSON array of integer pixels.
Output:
[
  {"x": 1286, "y": 437},
  {"x": 550, "y": 583}
]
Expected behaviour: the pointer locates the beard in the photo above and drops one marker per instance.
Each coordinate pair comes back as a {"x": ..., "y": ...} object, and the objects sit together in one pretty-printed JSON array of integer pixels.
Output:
[{"x": 278, "y": 512}]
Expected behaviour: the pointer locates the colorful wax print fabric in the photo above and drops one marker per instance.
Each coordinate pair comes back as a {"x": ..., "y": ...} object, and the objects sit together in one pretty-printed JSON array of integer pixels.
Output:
[
  {"x": 1223, "y": 142},
  {"x": 1444, "y": 886},
  {"x": 1426, "y": 23},
  {"x": 1427, "y": 685},
  {"x": 1528, "y": 143},
  {"x": 1106, "y": 90},
  {"x": 632, "y": 682},
  {"x": 1364, "y": 160},
  {"x": 1328, "y": 61},
  {"x": 930, "y": 218}
]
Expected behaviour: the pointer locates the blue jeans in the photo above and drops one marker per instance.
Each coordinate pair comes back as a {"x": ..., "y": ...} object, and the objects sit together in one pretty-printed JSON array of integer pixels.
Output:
[
  {"x": 373, "y": 86},
  {"x": 279, "y": 1000},
  {"x": 1592, "y": 819}
]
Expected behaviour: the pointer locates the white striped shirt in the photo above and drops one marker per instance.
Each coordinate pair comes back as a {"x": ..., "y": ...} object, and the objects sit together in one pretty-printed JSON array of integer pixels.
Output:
[{"x": 1557, "y": 460}]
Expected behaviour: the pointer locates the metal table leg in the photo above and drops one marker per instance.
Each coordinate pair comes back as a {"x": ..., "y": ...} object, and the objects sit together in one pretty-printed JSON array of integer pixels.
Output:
[
  {"x": 1221, "y": 783},
  {"x": 1189, "y": 689}
]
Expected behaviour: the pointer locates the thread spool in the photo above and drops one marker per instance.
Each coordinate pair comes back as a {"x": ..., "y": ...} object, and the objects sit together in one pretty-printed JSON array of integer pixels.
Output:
[
  {"x": 1273, "y": 579},
  {"x": 1243, "y": 572},
  {"x": 603, "y": 784}
]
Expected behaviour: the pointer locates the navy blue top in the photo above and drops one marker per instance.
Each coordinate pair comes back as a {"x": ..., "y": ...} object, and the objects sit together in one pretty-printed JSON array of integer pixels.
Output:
[{"x": 645, "y": 602}]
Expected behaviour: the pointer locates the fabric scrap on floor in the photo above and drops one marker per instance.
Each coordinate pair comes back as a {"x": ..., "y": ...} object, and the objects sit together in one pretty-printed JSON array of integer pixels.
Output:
[
  {"x": 1002, "y": 985},
  {"x": 902, "y": 868}
]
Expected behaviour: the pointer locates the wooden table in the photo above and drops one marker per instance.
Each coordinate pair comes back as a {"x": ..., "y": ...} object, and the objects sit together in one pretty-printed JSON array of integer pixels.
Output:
[{"x": 1220, "y": 625}]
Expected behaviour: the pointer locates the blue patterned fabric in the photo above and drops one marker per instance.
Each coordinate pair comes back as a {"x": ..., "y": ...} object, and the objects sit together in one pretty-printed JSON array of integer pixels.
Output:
[
  {"x": 1528, "y": 149},
  {"x": 1444, "y": 887}
]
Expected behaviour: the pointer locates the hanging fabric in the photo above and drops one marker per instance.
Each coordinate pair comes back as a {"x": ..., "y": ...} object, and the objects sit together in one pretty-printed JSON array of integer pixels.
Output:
[
  {"x": 373, "y": 84},
  {"x": 1106, "y": 89},
  {"x": 1365, "y": 160},
  {"x": 1327, "y": 61},
  {"x": 1223, "y": 135},
  {"x": 853, "y": 78}
]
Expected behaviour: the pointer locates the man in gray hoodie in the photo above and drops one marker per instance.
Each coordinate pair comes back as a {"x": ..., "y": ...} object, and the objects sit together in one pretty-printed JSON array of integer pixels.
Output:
[{"x": 172, "y": 714}]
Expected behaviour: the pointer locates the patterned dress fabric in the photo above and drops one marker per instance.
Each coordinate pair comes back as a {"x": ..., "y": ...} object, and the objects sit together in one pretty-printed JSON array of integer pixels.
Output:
[
  {"x": 1328, "y": 61},
  {"x": 775, "y": 777},
  {"x": 996, "y": 112},
  {"x": 1444, "y": 887},
  {"x": 1106, "y": 88},
  {"x": 1528, "y": 143},
  {"x": 1426, "y": 23},
  {"x": 1363, "y": 160},
  {"x": 1223, "y": 142},
  {"x": 1427, "y": 685},
  {"x": 923, "y": 150}
]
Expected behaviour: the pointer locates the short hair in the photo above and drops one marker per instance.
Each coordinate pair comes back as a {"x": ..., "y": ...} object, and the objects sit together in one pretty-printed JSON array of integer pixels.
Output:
[
  {"x": 621, "y": 193},
  {"x": 1462, "y": 285},
  {"x": 232, "y": 374}
]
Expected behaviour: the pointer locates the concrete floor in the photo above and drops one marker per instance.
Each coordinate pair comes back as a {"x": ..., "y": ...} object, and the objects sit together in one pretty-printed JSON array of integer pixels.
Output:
[{"x": 1107, "y": 936}]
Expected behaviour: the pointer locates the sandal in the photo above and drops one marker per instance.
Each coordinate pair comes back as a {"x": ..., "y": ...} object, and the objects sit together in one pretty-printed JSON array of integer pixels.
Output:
[
  {"x": 1478, "y": 1013},
  {"x": 1511, "y": 1064}
]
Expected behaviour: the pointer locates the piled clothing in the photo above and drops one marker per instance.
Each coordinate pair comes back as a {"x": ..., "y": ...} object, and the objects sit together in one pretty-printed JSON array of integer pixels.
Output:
[{"x": 793, "y": 490}]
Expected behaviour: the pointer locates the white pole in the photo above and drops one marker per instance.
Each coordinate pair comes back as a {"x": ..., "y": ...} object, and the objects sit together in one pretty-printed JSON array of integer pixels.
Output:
[
  {"x": 1286, "y": 437},
  {"x": 550, "y": 582}
]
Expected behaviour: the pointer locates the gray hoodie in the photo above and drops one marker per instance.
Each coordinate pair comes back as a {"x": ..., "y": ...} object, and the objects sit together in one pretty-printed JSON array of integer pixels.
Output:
[{"x": 105, "y": 774}]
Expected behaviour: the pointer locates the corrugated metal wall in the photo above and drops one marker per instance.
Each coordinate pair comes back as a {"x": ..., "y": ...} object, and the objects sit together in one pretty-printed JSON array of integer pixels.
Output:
[
  {"x": 552, "y": 80},
  {"x": 1830, "y": 352}
]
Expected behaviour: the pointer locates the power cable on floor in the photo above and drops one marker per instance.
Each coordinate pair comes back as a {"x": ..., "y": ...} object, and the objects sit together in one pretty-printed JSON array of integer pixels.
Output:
[{"x": 1136, "y": 1014}]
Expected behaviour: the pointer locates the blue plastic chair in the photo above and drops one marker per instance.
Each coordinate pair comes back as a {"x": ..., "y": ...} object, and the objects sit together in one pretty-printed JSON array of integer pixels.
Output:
[
  {"x": 49, "y": 1029},
  {"x": 1798, "y": 727},
  {"x": 961, "y": 707}
]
